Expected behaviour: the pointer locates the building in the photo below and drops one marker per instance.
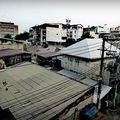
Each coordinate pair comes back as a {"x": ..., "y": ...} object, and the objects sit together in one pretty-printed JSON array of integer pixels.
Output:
[
  {"x": 13, "y": 56},
  {"x": 75, "y": 31},
  {"x": 32, "y": 92},
  {"x": 49, "y": 32},
  {"x": 8, "y": 28},
  {"x": 94, "y": 31},
  {"x": 55, "y": 32},
  {"x": 85, "y": 56},
  {"x": 115, "y": 31}
]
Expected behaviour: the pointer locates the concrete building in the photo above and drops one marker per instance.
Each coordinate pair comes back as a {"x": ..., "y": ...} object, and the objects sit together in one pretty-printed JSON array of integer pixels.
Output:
[
  {"x": 115, "y": 31},
  {"x": 85, "y": 56},
  {"x": 96, "y": 30},
  {"x": 49, "y": 32},
  {"x": 56, "y": 32},
  {"x": 75, "y": 31},
  {"x": 8, "y": 28}
]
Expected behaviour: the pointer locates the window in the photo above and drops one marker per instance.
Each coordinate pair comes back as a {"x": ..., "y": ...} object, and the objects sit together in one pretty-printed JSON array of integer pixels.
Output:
[
  {"x": 70, "y": 59},
  {"x": 76, "y": 60}
]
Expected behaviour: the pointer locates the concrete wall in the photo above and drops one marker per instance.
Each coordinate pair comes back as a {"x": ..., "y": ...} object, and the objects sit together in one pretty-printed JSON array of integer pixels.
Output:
[
  {"x": 91, "y": 69},
  {"x": 8, "y": 29},
  {"x": 77, "y": 32},
  {"x": 55, "y": 34}
]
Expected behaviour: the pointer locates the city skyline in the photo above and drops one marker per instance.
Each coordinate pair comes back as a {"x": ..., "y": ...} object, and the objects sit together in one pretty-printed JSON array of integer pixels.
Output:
[{"x": 27, "y": 13}]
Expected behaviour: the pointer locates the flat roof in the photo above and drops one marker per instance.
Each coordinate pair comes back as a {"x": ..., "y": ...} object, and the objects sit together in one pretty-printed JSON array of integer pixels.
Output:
[
  {"x": 36, "y": 93},
  {"x": 9, "y": 52},
  {"x": 6, "y": 23}
]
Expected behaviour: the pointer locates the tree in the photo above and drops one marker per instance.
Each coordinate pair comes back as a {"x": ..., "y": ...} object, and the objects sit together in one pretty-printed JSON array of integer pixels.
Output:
[
  {"x": 69, "y": 42},
  {"x": 86, "y": 35},
  {"x": 25, "y": 47},
  {"x": 45, "y": 44},
  {"x": 8, "y": 36},
  {"x": 22, "y": 36},
  {"x": 2, "y": 64}
]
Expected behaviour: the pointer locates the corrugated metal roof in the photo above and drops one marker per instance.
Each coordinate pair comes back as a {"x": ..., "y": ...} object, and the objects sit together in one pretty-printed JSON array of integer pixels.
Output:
[
  {"x": 88, "y": 48},
  {"x": 49, "y": 54},
  {"x": 9, "y": 52},
  {"x": 71, "y": 74},
  {"x": 87, "y": 81},
  {"x": 36, "y": 93}
]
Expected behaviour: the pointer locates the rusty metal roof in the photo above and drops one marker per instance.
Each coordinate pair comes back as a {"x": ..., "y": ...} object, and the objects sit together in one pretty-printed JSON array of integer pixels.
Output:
[
  {"x": 9, "y": 52},
  {"x": 49, "y": 54},
  {"x": 36, "y": 93}
]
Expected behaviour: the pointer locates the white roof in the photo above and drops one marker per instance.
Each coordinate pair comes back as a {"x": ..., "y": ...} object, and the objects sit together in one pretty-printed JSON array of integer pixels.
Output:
[
  {"x": 88, "y": 48},
  {"x": 36, "y": 93}
]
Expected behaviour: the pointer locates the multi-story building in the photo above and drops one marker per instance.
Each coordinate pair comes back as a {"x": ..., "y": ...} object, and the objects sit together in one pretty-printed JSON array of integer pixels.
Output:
[
  {"x": 76, "y": 31},
  {"x": 56, "y": 32},
  {"x": 115, "y": 29},
  {"x": 8, "y": 28},
  {"x": 96, "y": 30}
]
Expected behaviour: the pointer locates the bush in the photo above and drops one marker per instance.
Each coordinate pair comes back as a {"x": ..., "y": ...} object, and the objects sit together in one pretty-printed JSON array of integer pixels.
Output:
[
  {"x": 8, "y": 36},
  {"x": 69, "y": 42}
]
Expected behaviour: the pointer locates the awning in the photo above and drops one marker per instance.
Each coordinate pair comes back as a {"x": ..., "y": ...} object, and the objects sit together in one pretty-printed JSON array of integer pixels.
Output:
[{"x": 104, "y": 91}]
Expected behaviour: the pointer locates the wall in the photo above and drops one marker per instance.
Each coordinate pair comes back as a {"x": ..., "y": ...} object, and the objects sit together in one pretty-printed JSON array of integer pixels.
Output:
[
  {"x": 91, "y": 69},
  {"x": 8, "y": 29},
  {"x": 76, "y": 32},
  {"x": 55, "y": 34}
]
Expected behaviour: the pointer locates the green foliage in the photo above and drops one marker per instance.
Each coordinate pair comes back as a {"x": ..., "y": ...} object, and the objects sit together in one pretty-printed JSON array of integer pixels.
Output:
[
  {"x": 22, "y": 36},
  {"x": 86, "y": 35},
  {"x": 2, "y": 64},
  {"x": 45, "y": 44},
  {"x": 8, "y": 36},
  {"x": 69, "y": 42},
  {"x": 25, "y": 47}
]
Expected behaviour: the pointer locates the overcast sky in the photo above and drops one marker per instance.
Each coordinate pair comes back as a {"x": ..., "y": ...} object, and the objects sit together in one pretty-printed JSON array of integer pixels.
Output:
[{"x": 27, "y": 13}]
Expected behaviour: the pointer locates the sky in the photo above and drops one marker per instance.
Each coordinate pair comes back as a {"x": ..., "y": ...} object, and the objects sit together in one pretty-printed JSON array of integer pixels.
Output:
[{"x": 27, "y": 13}]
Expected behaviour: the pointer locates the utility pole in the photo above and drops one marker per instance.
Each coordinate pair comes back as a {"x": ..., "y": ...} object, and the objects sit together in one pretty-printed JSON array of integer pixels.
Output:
[
  {"x": 116, "y": 85},
  {"x": 100, "y": 75}
]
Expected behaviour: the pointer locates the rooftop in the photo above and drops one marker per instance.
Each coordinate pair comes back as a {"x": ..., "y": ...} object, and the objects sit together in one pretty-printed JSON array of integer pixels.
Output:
[
  {"x": 6, "y": 23},
  {"x": 49, "y": 54},
  {"x": 9, "y": 52},
  {"x": 36, "y": 93},
  {"x": 88, "y": 49}
]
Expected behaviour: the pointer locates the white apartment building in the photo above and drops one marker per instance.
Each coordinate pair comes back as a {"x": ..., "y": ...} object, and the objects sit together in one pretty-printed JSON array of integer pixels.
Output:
[
  {"x": 8, "y": 28},
  {"x": 56, "y": 32},
  {"x": 53, "y": 32},
  {"x": 76, "y": 31},
  {"x": 100, "y": 29}
]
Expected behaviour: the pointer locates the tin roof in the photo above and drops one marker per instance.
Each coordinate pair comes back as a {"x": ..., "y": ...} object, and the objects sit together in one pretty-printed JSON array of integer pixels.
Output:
[
  {"x": 9, "y": 52},
  {"x": 89, "y": 49},
  {"x": 49, "y": 54},
  {"x": 36, "y": 93}
]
